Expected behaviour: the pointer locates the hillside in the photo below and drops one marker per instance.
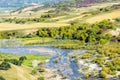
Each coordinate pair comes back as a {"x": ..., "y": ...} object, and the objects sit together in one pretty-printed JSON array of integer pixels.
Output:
[
  {"x": 80, "y": 3},
  {"x": 60, "y": 40},
  {"x": 19, "y": 73},
  {"x": 75, "y": 3},
  {"x": 20, "y": 3},
  {"x": 34, "y": 17}
]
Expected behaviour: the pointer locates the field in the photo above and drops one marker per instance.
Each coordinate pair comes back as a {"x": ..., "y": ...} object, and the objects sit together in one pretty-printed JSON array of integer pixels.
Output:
[
  {"x": 112, "y": 15},
  {"x": 12, "y": 26},
  {"x": 63, "y": 19}
]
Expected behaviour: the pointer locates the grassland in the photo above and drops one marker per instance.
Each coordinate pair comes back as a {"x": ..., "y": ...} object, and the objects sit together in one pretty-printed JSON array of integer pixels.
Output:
[
  {"x": 30, "y": 58},
  {"x": 36, "y": 40},
  {"x": 111, "y": 15},
  {"x": 20, "y": 72},
  {"x": 23, "y": 72},
  {"x": 12, "y": 26},
  {"x": 62, "y": 18}
]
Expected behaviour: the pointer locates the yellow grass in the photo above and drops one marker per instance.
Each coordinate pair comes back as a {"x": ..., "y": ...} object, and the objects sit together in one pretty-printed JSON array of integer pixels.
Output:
[
  {"x": 71, "y": 19},
  {"x": 17, "y": 73},
  {"x": 101, "y": 17},
  {"x": 12, "y": 26}
]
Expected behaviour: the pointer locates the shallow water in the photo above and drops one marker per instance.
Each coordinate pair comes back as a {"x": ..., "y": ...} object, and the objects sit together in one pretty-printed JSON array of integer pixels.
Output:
[{"x": 65, "y": 65}]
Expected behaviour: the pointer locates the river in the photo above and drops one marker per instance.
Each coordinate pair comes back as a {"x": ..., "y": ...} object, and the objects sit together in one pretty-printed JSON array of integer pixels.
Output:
[{"x": 65, "y": 66}]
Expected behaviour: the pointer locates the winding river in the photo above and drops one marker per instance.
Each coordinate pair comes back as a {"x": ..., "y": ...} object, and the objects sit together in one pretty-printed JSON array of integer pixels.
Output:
[{"x": 65, "y": 66}]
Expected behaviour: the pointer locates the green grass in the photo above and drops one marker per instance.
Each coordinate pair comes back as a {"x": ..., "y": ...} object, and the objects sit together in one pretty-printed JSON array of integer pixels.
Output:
[
  {"x": 67, "y": 43},
  {"x": 35, "y": 40},
  {"x": 31, "y": 57},
  {"x": 27, "y": 62},
  {"x": 7, "y": 56},
  {"x": 19, "y": 72}
]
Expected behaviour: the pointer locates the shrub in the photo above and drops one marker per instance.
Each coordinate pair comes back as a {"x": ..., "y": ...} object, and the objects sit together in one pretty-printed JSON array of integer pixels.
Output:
[
  {"x": 86, "y": 56},
  {"x": 16, "y": 62},
  {"x": 117, "y": 19},
  {"x": 106, "y": 69},
  {"x": 41, "y": 78},
  {"x": 103, "y": 74},
  {"x": 41, "y": 70},
  {"x": 79, "y": 79},
  {"x": 1, "y": 78},
  {"x": 34, "y": 72},
  {"x": 86, "y": 75},
  {"x": 22, "y": 58},
  {"x": 56, "y": 61},
  {"x": 5, "y": 66}
]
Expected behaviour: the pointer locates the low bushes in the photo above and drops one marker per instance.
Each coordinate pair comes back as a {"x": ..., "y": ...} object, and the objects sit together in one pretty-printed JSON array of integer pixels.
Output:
[
  {"x": 1, "y": 78},
  {"x": 41, "y": 78},
  {"x": 5, "y": 66},
  {"x": 86, "y": 56},
  {"x": 15, "y": 61}
]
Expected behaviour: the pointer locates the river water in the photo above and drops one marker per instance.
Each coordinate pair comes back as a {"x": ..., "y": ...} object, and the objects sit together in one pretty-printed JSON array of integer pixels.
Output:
[{"x": 64, "y": 66}]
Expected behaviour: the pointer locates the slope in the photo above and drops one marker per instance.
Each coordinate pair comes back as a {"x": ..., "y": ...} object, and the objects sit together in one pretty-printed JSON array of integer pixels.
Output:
[{"x": 18, "y": 73}]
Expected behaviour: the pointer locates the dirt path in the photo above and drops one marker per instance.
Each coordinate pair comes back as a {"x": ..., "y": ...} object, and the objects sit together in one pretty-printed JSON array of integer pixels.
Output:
[{"x": 101, "y": 17}]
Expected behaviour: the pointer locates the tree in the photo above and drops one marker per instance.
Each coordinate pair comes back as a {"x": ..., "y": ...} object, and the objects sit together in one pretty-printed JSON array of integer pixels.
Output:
[
  {"x": 5, "y": 66},
  {"x": 22, "y": 58}
]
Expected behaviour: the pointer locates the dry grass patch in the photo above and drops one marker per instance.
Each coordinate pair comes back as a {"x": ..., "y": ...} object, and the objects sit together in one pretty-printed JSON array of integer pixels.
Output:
[
  {"x": 101, "y": 17},
  {"x": 12, "y": 26}
]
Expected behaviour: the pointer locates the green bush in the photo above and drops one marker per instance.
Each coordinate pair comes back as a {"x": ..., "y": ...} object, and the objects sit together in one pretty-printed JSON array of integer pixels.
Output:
[
  {"x": 5, "y": 66},
  {"x": 41, "y": 78},
  {"x": 16, "y": 62},
  {"x": 86, "y": 56},
  {"x": 103, "y": 74},
  {"x": 34, "y": 72},
  {"x": 22, "y": 58},
  {"x": 1, "y": 78}
]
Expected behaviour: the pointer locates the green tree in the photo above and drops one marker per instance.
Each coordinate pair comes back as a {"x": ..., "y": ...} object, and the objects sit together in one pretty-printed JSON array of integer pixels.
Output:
[
  {"x": 22, "y": 58},
  {"x": 5, "y": 66}
]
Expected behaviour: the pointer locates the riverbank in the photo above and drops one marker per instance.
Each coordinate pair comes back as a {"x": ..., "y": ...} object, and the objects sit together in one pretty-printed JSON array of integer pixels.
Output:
[{"x": 99, "y": 61}]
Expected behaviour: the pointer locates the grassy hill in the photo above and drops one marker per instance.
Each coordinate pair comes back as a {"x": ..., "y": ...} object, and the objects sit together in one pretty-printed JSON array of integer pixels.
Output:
[
  {"x": 18, "y": 73},
  {"x": 52, "y": 17},
  {"x": 23, "y": 72}
]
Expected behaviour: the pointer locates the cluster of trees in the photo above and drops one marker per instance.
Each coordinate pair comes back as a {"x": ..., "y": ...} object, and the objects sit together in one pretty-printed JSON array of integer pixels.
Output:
[
  {"x": 84, "y": 32},
  {"x": 5, "y": 64},
  {"x": 15, "y": 61}
]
